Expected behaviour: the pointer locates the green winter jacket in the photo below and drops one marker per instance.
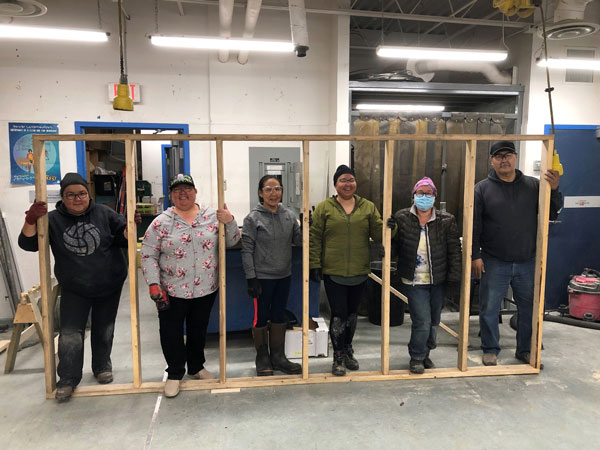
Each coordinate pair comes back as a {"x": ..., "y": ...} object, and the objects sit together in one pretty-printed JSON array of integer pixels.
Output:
[{"x": 340, "y": 244}]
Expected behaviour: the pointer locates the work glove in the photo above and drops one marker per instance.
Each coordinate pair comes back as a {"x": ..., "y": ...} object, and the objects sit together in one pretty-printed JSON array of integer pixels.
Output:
[
  {"x": 391, "y": 223},
  {"x": 310, "y": 221},
  {"x": 137, "y": 218},
  {"x": 159, "y": 296},
  {"x": 316, "y": 275},
  {"x": 254, "y": 288},
  {"x": 37, "y": 210}
]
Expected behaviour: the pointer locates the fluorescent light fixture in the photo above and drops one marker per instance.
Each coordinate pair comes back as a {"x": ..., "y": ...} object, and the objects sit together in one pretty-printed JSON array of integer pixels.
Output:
[
  {"x": 222, "y": 44},
  {"x": 441, "y": 54},
  {"x": 58, "y": 34},
  {"x": 568, "y": 63},
  {"x": 389, "y": 107}
]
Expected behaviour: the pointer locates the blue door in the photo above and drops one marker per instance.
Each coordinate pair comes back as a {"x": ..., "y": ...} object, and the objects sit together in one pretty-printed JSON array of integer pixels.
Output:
[{"x": 574, "y": 241}]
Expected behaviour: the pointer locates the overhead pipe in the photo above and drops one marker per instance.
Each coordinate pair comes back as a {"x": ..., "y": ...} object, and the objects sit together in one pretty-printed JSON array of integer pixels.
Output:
[
  {"x": 299, "y": 27},
  {"x": 382, "y": 15},
  {"x": 488, "y": 70},
  {"x": 570, "y": 10},
  {"x": 252, "y": 12},
  {"x": 225, "y": 16}
]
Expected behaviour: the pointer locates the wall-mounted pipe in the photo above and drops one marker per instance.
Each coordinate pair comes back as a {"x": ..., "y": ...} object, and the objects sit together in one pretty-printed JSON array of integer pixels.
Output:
[
  {"x": 252, "y": 12},
  {"x": 488, "y": 70},
  {"x": 225, "y": 16}
]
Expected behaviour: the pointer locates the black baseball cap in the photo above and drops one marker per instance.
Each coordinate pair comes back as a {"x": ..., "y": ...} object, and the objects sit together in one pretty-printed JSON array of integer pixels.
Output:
[
  {"x": 502, "y": 145},
  {"x": 181, "y": 179}
]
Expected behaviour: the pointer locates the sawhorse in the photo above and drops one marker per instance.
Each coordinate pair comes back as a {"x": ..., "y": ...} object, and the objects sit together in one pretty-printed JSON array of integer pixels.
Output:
[{"x": 28, "y": 312}]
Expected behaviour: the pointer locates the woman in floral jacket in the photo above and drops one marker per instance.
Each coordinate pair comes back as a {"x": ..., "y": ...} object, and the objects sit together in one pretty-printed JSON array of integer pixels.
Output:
[{"x": 180, "y": 264}]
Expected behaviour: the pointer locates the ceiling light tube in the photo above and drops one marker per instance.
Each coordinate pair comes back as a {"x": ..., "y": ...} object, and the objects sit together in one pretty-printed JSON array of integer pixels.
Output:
[
  {"x": 58, "y": 34},
  {"x": 567, "y": 63},
  {"x": 222, "y": 44},
  {"x": 389, "y": 107},
  {"x": 441, "y": 54}
]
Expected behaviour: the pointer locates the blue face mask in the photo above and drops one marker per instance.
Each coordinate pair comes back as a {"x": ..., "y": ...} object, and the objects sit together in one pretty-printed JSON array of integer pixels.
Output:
[{"x": 424, "y": 203}]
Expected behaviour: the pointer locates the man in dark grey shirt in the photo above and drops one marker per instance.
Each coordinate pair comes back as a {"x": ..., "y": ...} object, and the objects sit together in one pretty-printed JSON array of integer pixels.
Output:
[{"x": 504, "y": 245}]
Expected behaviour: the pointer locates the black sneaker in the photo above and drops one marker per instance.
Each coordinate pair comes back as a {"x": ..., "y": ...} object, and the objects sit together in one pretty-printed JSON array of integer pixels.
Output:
[
  {"x": 428, "y": 363},
  {"x": 415, "y": 366}
]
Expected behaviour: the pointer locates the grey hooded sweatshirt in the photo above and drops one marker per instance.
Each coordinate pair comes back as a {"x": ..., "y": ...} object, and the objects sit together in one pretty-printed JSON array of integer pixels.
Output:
[{"x": 267, "y": 239}]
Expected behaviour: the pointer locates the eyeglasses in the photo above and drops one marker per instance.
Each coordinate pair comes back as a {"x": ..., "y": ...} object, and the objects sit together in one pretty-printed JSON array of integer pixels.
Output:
[
  {"x": 346, "y": 180},
  {"x": 423, "y": 194},
  {"x": 503, "y": 156},
  {"x": 71, "y": 195},
  {"x": 186, "y": 188},
  {"x": 269, "y": 189}
]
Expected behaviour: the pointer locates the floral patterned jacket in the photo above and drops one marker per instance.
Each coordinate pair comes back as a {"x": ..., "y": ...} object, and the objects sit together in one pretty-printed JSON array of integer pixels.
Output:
[{"x": 183, "y": 258}]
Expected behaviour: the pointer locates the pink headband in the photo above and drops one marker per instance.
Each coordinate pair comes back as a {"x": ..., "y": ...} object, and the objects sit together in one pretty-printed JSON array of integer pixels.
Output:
[{"x": 425, "y": 181}]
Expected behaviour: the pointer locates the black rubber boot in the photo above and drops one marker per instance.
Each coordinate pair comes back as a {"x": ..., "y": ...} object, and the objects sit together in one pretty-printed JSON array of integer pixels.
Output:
[
  {"x": 337, "y": 368},
  {"x": 261, "y": 342},
  {"x": 337, "y": 331},
  {"x": 349, "y": 360},
  {"x": 277, "y": 344}
]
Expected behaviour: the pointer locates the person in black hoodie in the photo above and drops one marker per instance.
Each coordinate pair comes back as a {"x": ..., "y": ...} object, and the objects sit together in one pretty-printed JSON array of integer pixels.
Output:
[
  {"x": 86, "y": 241},
  {"x": 504, "y": 245}
]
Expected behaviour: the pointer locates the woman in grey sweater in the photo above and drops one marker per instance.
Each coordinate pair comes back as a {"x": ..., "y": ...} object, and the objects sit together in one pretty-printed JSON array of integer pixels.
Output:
[{"x": 268, "y": 234}]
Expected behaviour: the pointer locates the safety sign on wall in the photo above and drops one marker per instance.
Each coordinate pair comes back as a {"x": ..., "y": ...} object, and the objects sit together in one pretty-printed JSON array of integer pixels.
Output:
[{"x": 21, "y": 152}]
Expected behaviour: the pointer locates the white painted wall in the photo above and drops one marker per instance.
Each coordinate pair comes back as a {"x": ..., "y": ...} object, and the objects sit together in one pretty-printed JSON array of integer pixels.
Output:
[
  {"x": 574, "y": 103},
  {"x": 67, "y": 82}
]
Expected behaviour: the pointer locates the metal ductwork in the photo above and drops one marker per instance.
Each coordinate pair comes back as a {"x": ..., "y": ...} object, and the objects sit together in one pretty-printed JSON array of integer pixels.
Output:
[
  {"x": 569, "y": 21},
  {"x": 427, "y": 69},
  {"x": 252, "y": 12},
  {"x": 299, "y": 27},
  {"x": 22, "y": 8},
  {"x": 225, "y": 16}
]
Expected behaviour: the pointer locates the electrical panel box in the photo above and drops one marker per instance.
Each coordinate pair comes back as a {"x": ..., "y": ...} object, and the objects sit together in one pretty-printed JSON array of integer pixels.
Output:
[{"x": 282, "y": 162}]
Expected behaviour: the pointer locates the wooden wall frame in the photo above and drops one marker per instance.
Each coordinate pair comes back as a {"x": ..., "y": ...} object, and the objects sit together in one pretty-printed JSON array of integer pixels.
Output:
[{"x": 461, "y": 369}]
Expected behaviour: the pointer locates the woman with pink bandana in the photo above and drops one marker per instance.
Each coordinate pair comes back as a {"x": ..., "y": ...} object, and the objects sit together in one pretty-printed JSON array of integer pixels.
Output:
[
  {"x": 180, "y": 264},
  {"x": 429, "y": 258}
]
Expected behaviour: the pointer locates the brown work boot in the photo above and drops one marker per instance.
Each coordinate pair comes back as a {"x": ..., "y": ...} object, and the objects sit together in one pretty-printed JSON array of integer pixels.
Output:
[
  {"x": 63, "y": 393},
  {"x": 104, "y": 377},
  {"x": 489, "y": 359}
]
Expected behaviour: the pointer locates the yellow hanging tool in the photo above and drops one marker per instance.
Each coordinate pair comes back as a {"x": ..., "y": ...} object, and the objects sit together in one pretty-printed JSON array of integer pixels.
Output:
[{"x": 556, "y": 165}]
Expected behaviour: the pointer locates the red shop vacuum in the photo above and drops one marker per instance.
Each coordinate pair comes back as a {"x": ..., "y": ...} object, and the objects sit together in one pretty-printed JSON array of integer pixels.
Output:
[{"x": 584, "y": 295}]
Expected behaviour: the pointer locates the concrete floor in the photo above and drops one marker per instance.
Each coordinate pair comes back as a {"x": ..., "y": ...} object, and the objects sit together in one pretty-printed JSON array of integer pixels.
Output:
[{"x": 558, "y": 409}]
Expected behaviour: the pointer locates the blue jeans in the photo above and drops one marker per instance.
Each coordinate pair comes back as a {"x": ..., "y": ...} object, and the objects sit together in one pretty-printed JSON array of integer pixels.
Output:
[
  {"x": 494, "y": 284},
  {"x": 425, "y": 302}
]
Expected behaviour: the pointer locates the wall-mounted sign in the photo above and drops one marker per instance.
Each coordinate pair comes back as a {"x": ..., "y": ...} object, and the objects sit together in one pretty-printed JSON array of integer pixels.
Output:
[
  {"x": 583, "y": 201},
  {"x": 135, "y": 92},
  {"x": 21, "y": 152}
]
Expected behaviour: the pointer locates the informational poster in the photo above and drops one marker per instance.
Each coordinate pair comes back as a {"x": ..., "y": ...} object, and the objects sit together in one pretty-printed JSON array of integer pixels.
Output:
[{"x": 21, "y": 152}]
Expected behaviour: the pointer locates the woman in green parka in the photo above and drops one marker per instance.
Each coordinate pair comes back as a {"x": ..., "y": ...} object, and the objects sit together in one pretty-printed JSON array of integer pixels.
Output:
[{"x": 339, "y": 254}]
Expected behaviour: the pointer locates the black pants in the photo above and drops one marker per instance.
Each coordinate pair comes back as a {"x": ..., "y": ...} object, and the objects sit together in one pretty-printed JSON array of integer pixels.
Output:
[
  {"x": 195, "y": 312},
  {"x": 74, "y": 313},
  {"x": 343, "y": 301},
  {"x": 273, "y": 300}
]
